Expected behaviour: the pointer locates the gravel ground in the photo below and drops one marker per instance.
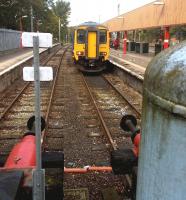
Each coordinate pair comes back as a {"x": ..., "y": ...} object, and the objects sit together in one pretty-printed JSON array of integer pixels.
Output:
[
  {"x": 75, "y": 128},
  {"x": 83, "y": 140}
]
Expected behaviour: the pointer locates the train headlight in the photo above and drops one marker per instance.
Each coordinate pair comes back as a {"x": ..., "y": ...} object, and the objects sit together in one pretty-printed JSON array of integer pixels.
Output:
[
  {"x": 80, "y": 53},
  {"x": 103, "y": 53}
]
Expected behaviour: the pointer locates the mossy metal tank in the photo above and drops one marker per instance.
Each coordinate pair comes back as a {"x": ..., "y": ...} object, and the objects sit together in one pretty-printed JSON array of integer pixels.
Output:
[{"x": 162, "y": 159}]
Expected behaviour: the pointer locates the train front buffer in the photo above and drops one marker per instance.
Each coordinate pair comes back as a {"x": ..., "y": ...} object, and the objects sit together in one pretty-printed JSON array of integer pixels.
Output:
[
  {"x": 17, "y": 171},
  {"x": 125, "y": 161}
]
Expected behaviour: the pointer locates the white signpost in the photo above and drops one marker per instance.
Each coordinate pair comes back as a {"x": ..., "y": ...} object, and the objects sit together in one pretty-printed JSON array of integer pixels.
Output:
[
  {"x": 46, "y": 73},
  {"x": 36, "y": 74},
  {"x": 45, "y": 39}
]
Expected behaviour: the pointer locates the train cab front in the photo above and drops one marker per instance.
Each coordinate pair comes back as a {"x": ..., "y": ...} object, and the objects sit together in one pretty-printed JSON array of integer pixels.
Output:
[{"x": 91, "y": 48}]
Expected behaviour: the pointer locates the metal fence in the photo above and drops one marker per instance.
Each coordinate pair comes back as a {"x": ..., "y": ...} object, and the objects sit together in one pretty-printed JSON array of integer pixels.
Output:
[{"x": 9, "y": 39}]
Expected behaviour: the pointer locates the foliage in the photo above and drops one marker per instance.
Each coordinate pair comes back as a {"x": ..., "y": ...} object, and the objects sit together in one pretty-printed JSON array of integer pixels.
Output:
[
  {"x": 62, "y": 10},
  {"x": 46, "y": 14}
]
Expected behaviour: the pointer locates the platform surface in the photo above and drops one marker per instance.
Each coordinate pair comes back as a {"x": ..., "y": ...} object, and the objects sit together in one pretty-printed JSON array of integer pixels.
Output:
[
  {"x": 14, "y": 57},
  {"x": 140, "y": 59},
  {"x": 132, "y": 61}
]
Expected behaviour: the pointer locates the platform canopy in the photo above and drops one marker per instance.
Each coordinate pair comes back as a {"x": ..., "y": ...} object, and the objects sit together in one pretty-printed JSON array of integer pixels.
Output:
[{"x": 160, "y": 13}]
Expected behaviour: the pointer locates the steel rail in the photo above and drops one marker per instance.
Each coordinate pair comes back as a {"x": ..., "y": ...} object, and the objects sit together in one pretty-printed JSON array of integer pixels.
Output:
[
  {"x": 51, "y": 96},
  {"x": 118, "y": 91},
  {"x": 128, "y": 178},
  {"x": 114, "y": 145},
  {"x": 112, "y": 142},
  {"x": 45, "y": 61},
  {"x": 14, "y": 100}
]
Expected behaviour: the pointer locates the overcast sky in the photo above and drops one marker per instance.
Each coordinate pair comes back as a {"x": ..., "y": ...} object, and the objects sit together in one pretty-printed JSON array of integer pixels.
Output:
[{"x": 100, "y": 10}]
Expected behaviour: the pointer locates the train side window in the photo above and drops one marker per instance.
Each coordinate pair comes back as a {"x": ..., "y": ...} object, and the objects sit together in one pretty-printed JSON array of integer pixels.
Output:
[
  {"x": 81, "y": 36},
  {"x": 103, "y": 37}
]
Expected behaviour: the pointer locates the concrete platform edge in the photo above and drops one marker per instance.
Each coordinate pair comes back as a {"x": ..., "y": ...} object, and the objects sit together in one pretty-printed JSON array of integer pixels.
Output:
[{"x": 8, "y": 76}]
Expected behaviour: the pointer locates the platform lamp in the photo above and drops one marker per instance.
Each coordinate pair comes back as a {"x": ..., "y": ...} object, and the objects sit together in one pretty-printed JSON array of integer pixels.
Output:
[{"x": 158, "y": 2}]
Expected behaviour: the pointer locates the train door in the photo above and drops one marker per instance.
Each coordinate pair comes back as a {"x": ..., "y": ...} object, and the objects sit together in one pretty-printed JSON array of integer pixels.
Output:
[{"x": 92, "y": 41}]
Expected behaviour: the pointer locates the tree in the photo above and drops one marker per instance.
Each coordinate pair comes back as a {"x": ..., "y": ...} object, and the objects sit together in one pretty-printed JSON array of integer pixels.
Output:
[
  {"x": 62, "y": 10},
  {"x": 45, "y": 13},
  {"x": 15, "y": 9}
]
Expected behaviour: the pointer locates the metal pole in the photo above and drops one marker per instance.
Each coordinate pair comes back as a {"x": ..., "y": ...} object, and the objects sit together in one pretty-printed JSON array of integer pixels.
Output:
[
  {"x": 59, "y": 30},
  {"x": 125, "y": 43},
  {"x": 166, "y": 38},
  {"x": 31, "y": 19},
  {"x": 21, "y": 30},
  {"x": 38, "y": 174},
  {"x": 21, "y": 24},
  {"x": 118, "y": 9}
]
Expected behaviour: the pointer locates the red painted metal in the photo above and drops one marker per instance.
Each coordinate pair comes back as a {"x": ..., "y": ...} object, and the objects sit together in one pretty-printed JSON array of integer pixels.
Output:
[
  {"x": 125, "y": 43},
  {"x": 23, "y": 154},
  {"x": 136, "y": 143},
  {"x": 166, "y": 38}
]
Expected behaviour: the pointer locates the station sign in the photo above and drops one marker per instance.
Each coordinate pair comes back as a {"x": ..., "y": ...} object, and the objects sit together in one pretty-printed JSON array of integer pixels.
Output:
[
  {"x": 45, "y": 39},
  {"x": 46, "y": 73}
]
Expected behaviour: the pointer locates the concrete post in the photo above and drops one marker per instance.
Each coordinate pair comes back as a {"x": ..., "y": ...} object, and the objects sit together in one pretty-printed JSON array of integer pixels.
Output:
[{"x": 162, "y": 163}]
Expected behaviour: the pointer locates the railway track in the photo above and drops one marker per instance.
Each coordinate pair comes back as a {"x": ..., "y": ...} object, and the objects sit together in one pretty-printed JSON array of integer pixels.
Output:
[
  {"x": 16, "y": 91},
  {"x": 110, "y": 106},
  {"x": 19, "y": 106},
  {"x": 77, "y": 127},
  {"x": 79, "y": 111}
]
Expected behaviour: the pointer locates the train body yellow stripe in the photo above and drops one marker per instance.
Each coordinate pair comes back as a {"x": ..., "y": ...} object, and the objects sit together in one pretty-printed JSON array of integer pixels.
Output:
[{"x": 92, "y": 38}]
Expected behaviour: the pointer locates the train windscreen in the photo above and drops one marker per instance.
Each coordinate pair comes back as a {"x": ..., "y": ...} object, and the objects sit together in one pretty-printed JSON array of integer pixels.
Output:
[
  {"x": 103, "y": 36},
  {"x": 81, "y": 36}
]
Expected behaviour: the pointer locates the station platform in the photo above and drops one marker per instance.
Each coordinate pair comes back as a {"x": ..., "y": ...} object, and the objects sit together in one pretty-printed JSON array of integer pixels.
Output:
[
  {"x": 12, "y": 63},
  {"x": 133, "y": 61},
  {"x": 13, "y": 58}
]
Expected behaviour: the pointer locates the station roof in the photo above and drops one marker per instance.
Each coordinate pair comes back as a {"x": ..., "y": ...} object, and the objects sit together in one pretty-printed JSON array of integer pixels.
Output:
[{"x": 166, "y": 13}]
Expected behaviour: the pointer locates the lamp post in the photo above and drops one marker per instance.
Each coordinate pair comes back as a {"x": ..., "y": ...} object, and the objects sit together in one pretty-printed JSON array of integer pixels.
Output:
[
  {"x": 159, "y": 3},
  {"x": 21, "y": 22},
  {"x": 38, "y": 23},
  {"x": 59, "y": 30},
  {"x": 118, "y": 9},
  {"x": 31, "y": 19},
  {"x": 21, "y": 28}
]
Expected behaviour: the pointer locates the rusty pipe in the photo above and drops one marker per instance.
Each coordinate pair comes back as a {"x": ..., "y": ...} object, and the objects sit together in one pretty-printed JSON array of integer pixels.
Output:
[{"x": 87, "y": 169}]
